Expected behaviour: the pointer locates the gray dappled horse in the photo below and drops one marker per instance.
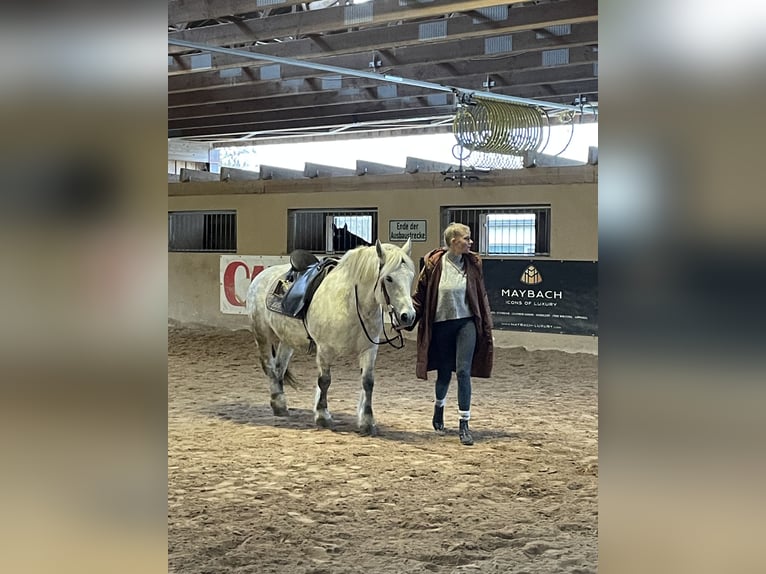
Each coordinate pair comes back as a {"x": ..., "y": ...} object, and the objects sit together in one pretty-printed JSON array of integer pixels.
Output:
[{"x": 345, "y": 317}]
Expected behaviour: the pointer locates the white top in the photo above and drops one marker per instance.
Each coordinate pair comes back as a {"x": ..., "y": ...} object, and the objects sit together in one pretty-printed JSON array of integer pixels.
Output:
[{"x": 451, "y": 302}]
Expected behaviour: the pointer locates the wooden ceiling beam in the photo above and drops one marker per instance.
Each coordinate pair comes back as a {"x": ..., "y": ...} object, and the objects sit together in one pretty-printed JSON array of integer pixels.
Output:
[
  {"x": 407, "y": 34},
  {"x": 297, "y": 116},
  {"x": 182, "y": 11},
  {"x": 447, "y": 74},
  {"x": 448, "y": 42},
  {"x": 332, "y": 19},
  {"x": 393, "y": 61},
  {"x": 350, "y": 95}
]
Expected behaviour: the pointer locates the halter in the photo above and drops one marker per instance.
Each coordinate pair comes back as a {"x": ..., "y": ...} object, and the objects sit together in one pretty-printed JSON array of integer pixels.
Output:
[{"x": 388, "y": 340}]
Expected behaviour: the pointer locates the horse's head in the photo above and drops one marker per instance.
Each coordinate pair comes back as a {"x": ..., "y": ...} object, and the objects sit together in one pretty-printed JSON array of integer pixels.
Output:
[{"x": 397, "y": 272}]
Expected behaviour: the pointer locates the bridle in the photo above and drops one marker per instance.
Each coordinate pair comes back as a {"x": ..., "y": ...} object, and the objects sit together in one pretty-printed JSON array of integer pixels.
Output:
[{"x": 398, "y": 341}]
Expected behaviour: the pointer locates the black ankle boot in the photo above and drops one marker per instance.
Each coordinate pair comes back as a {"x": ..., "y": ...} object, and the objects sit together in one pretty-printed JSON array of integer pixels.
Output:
[
  {"x": 465, "y": 434},
  {"x": 438, "y": 420}
]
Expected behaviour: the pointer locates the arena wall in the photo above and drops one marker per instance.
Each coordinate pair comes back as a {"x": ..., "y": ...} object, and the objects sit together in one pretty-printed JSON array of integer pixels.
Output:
[{"x": 262, "y": 205}]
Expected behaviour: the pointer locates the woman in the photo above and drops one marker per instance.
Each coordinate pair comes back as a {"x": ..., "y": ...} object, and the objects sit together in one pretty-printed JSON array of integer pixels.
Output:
[{"x": 455, "y": 326}]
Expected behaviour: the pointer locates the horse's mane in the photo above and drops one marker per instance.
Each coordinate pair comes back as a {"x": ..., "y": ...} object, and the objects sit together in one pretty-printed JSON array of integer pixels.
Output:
[{"x": 362, "y": 263}]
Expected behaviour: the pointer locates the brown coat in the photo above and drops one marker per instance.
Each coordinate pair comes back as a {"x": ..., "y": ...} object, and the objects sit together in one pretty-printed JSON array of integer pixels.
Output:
[{"x": 424, "y": 301}]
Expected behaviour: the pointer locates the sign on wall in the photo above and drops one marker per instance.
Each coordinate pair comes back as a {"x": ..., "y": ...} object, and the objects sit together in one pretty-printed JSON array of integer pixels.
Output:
[
  {"x": 404, "y": 229},
  {"x": 543, "y": 296},
  {"x": 237, "y": 271}
]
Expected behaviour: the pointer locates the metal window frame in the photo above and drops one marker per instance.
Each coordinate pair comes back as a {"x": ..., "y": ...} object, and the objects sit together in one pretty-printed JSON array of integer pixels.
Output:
[
  {"x": 227, "y": 239},
  {"x": 327, "y": 215},
  {"x": 478, "y": 223}
]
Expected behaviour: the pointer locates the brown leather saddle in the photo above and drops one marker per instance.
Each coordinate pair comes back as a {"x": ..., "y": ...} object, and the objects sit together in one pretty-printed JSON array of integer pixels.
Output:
[{"x": 293, "y": 292}]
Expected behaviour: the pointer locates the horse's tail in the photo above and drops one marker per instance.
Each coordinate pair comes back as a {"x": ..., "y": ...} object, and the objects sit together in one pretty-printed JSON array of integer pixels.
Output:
[
  {"x": 272, "y": 369},
  {"x": 290, "y": 379}
]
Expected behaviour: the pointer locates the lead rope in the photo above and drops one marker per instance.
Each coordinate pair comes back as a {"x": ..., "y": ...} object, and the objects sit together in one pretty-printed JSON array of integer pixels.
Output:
[{"x": 399, "y": 338}]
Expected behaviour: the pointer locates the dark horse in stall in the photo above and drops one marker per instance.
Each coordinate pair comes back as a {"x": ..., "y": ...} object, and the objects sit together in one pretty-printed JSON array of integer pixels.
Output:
[{"x": 343, "y": 239}]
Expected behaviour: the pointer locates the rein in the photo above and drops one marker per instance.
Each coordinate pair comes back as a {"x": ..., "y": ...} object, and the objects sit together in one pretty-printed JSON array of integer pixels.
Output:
[{"x": 389, "y": 341}]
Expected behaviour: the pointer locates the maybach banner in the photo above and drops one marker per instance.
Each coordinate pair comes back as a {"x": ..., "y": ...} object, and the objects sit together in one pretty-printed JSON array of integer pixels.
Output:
[{"x": 543, "y": 296}]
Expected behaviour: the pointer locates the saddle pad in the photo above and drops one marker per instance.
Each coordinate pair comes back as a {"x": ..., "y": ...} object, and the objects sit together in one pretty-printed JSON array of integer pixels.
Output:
[
  {"x": 276, "y": 296},
  {"x": 274, "y": 303}
]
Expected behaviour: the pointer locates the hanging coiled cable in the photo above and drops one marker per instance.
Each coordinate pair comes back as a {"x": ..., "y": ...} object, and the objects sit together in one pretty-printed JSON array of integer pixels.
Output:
[{"x": 498, "y": 134}]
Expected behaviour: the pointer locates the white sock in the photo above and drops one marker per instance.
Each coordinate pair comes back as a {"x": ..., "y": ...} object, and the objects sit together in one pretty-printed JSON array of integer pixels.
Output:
[
  {"x": 464, "y": 415},
  {"x": 440, "y": 403}
]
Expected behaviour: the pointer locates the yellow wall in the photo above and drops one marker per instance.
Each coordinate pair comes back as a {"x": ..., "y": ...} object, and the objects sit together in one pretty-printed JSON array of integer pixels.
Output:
[{"x": 262, "y": 218}]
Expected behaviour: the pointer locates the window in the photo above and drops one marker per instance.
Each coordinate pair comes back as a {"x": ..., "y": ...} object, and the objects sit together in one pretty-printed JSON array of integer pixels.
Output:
[
  {"x": 333, "y": 231},
  {"x": 202, "y": 231},
  {"x": 509, "y": 233},
  {"x": 505, "y": 230}
]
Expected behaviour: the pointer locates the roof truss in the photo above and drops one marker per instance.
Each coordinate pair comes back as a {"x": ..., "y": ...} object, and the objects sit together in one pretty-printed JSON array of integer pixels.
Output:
[{"x": 539, "y": 50}]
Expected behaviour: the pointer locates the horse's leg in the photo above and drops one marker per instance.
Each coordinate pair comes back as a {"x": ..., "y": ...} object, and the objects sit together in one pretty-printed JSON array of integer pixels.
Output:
[
  {"x": 268, "y": 358},
  {"x": 281, "y": 360},
  {"x": 322, "y": 415},
  {"x": 364, "y": 409}
]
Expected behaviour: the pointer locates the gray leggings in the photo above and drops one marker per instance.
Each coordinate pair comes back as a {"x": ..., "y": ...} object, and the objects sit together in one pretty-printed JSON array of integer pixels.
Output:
[{"x": 452, "y": 347}]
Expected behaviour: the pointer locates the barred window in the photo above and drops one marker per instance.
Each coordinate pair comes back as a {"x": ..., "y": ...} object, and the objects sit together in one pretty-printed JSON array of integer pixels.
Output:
[
  {"x": 202, "y": 231},
  {"x": 505, "y": 230},
  {"x": 331, "y": 231}
]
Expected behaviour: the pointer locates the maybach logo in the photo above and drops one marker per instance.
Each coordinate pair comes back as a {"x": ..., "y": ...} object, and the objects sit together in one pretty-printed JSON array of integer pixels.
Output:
[
  {"x": 532, "y": 294},
  {"x": 531, "y": 276}
]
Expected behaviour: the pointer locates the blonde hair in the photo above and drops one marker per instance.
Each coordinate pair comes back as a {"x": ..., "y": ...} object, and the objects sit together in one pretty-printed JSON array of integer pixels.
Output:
[{"x": 454, "y": 230}]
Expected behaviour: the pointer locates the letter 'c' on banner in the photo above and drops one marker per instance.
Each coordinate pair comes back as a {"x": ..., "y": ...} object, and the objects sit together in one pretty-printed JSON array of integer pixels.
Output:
[{"x": 229, "y": 284}]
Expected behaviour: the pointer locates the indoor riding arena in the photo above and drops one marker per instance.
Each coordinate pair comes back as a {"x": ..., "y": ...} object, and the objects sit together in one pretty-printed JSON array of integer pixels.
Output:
[{"x": 251, "y": 492}]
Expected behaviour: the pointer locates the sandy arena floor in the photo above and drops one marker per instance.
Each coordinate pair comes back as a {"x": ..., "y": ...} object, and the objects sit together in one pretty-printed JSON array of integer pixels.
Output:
[{"x": 252, "y": 493}]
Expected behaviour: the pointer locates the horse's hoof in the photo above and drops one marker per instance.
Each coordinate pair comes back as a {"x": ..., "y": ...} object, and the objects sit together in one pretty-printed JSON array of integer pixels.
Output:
[
  {"x": 369, "y": 431},
  {"x": 324, "y": 423},
  {"x": 279, "y": 406}
]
